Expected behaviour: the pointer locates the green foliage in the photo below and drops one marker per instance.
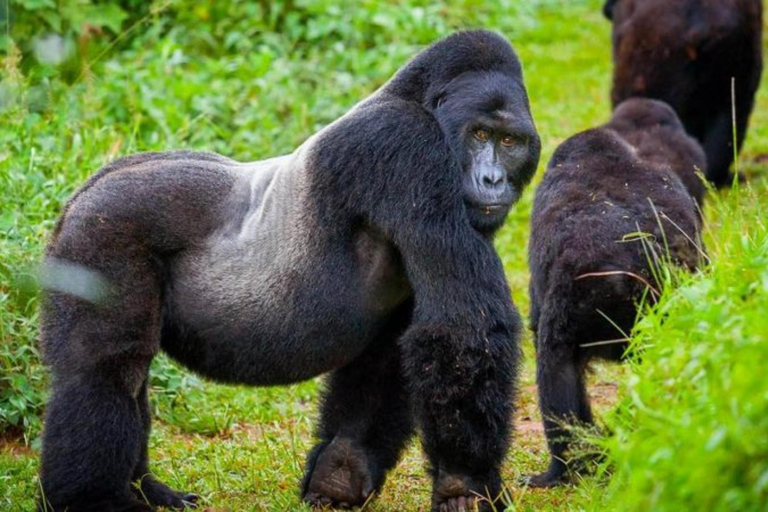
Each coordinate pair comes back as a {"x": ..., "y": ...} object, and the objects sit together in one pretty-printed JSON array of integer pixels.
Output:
[
  {"x": 48, "y": 31},
  {"x": 61, "y": 37},
  {"x": 690, "y": 434},
  {"x": 29, "y": 18}
]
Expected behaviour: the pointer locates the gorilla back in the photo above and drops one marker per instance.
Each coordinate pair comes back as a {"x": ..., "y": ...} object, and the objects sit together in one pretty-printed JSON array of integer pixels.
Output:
[{"x": 366, "y": 253}]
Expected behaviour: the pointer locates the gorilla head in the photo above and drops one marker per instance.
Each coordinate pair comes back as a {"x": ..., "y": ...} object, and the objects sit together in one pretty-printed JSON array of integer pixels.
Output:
[
  {"x": 658, "y": 136},
  {"x": 482, "y": 108},
  {"x": 640, "y": 113},
  {"x": 497, "y": 146}
]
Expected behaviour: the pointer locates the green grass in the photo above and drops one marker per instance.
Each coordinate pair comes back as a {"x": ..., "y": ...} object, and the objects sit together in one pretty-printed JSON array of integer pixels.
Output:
[{"x": 690, "y": 426}]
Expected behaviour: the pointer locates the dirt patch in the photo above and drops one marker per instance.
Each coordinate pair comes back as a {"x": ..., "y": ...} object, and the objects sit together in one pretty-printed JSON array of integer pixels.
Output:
[
  {"x": 603, "y": 394},
  {"x": 528, "y": 426},
  {"x": 15, "y": 447}
]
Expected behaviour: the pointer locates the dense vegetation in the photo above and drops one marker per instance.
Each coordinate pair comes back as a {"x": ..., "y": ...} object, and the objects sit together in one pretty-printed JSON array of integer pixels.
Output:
[{"x": 254, "y": 79}]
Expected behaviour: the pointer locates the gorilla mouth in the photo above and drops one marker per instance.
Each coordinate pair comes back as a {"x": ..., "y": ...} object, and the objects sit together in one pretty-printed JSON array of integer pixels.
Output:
[
  {"x": 490, "y": 209},
  {"x": 487, "y": 217}
]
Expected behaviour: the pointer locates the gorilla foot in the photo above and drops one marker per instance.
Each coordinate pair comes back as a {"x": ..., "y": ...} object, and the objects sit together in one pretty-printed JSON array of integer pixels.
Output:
[
  {"x": 559, "y": 473},
  {"x": 461, "y": 504},
  {"x": 341, "y": 477},
  {"x": 459, "y": 493},
  {"x": 546, "y": 480},
  {"x": 158, "y": 494}
]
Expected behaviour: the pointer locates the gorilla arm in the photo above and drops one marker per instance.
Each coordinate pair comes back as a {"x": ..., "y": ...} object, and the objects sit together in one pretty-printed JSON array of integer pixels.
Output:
[{"x": 460, "y": 355}]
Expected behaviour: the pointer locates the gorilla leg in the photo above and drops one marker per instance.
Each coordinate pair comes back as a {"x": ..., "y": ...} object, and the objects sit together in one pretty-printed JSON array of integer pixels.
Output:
[
  {"x": 145, "y": 485},
  {"x": 91, "y": 442},
  {"x": 718, "y": 146},
  {"x": 364, "y": 426},
  {"x": 99, "y": 351},
  {"x": 563, "y": 400}
]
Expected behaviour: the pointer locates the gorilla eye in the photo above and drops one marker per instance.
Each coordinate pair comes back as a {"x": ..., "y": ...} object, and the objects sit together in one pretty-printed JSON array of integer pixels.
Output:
[
  {"x": 508, "y": 140},
  {"x": 482, "y": 135}
]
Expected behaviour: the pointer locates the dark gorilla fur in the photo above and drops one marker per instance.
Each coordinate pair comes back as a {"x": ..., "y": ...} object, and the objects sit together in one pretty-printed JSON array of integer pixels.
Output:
[
  {"x": 366, "y": 253},
  {"x": 685, "y": 52},
  {"x": 634, "y": 174}
]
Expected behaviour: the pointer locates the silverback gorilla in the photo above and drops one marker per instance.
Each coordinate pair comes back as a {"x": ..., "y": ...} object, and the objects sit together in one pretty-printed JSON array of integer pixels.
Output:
[
  {"x": 685, "y": 52},
  {"x": 366, "y": 252},
  {"x": 589, "y": 265}
]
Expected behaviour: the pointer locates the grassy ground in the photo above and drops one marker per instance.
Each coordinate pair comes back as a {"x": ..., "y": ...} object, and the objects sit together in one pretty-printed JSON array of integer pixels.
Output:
[{"x": 251, "y": 93}]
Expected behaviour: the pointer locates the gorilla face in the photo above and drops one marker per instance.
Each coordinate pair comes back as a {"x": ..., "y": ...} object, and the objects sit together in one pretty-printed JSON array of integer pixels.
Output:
[{"x": 486, "y": 119}]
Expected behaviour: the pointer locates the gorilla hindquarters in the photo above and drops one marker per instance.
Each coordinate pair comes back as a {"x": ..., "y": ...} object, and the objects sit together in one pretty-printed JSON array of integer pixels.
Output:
[{"x": 366, "y": 253}]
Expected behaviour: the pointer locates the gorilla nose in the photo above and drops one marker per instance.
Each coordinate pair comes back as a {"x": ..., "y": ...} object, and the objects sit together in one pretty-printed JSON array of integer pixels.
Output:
[
  {"x": 493, "y": 180},
  {"x": 489, "y": 187}
]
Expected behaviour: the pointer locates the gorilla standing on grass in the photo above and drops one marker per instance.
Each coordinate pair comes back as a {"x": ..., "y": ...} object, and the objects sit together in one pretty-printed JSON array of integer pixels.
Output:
[
  {"x": 366, "y": 253},
  {"x": 616, "y": 201},
  {"x": 685, "y": 52}
]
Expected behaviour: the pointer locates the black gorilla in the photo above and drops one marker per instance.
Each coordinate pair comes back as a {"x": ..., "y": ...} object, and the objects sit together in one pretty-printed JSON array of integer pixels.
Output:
[
  {"x": 366, "y": 252},
  {"x": 589, "y": 266},
  {"x": 685, "y": 52}
]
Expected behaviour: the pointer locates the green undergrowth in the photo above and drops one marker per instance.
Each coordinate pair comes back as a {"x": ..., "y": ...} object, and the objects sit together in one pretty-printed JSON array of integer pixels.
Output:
[
  {"x": 227, "y": 77},
  {"x": 690, "y": 430}
]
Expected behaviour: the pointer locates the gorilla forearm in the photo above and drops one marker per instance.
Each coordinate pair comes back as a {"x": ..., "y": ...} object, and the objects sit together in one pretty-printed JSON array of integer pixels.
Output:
[
  {"x": 461, "y": 384},
  {"x": 366, "y": 419},
  {"x": 461, "y": 359}
]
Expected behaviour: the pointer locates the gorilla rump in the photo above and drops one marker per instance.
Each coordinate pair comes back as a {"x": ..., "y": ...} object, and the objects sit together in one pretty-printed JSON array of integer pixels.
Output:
[
  {"x": 685, "y": 52},
  {"x": 366, "y": 252},
  {"x": 589, "y": 266}
]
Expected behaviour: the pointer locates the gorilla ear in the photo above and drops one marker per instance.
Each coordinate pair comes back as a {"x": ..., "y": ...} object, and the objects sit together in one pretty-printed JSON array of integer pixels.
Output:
[{"x": 608, "y": 8}]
